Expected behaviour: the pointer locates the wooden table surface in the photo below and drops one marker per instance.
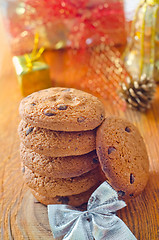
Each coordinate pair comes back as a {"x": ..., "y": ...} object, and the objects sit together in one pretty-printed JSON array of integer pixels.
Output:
[{"x": 20, "y": 215}]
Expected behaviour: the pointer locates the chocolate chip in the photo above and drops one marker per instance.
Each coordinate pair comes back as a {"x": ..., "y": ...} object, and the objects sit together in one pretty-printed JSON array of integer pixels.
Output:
[
  {"x": 80, "y": 119},
  {"x": 121, "y": 193},
  {"x": 33, "y": 104},
  {"x": 131, "y": 195},
  {"x": 95, "y": 160},
  {"x": 49, "y": 112},
  {"x": 132, "y": 178},
  {"x": 101, "y": 117},
  {"x": 63, "y": 200},
  {"x": 127, "y": 129},
  {"x": 62, "y": 107},
  {"x": 111, "y": 149},
  {"x": 29, "y": 130}
]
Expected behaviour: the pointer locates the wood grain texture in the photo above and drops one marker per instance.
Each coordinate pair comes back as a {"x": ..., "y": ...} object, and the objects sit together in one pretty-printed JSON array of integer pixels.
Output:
[{"x": 21, "y": 217}]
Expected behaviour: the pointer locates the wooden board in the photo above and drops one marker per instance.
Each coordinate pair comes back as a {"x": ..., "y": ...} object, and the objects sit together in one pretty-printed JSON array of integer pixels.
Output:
[{"x": 20, "y": 215}]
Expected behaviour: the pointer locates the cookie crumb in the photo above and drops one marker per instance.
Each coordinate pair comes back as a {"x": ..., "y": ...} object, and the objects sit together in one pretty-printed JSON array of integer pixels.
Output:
[
  {"x": 62, "y": 107},
  {"x": 49, "y": 113}
]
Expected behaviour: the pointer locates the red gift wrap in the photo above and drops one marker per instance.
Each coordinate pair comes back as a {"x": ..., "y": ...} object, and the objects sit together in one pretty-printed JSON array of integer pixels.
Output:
[{"x": 64, "y": 23}]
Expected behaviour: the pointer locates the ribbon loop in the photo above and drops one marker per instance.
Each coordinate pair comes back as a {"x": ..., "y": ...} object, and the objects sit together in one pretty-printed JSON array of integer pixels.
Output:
[
  {"x": 64, "y": 217},
  {"x": 104, "y": 194}
]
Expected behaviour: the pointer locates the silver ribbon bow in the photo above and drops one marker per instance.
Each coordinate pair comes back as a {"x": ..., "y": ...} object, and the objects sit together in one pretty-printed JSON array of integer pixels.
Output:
[{"x": 99, "y": 222}]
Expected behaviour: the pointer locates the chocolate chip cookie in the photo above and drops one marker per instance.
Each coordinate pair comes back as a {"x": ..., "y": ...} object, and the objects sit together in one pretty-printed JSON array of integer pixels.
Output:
[
  {"x": 56, "y": 144},
  {"x": 62, "y": 109},
  {"x": 123, "y": 156},
  {"x": 73, "y": 200},
  {"x": 52, "y": 187},
  {"x": 58, "y": 167}
]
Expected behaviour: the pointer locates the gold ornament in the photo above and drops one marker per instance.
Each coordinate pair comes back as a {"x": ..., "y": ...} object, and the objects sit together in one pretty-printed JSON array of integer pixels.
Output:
[
  {"x": 139, "y": 92},
  {"x": 142, "y": 52},
  {"x": 152, "y": 2}
]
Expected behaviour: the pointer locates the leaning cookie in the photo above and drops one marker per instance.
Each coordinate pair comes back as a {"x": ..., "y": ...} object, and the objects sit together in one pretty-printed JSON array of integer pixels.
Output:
[
  {"x": 62, "y": 109},
  {"x": 123, "y": 156},
  {"x": 58, "y": 167},
  {"x": 51, "y": 187},
  {"x": 56, "y": 144},
  {"x": 73, "y": 200}
]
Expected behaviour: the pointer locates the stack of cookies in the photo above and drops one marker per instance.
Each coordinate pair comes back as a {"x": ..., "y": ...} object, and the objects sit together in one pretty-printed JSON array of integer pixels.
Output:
[{"x": 58, "y": 142}]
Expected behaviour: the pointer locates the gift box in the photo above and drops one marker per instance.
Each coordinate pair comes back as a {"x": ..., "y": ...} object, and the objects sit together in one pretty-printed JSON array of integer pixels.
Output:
[{"x": 32, "y": 75}]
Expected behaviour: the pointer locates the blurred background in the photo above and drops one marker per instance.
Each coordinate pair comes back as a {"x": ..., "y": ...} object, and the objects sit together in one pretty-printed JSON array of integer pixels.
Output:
[{"x": 93, "y": 45}]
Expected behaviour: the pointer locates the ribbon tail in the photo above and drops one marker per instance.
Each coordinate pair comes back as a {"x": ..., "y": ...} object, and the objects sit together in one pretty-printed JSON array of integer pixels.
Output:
[
  {"x": 80, "y": 230},
  {"x": 110, "y": 227},
  {"x": 61, "y": 218}
]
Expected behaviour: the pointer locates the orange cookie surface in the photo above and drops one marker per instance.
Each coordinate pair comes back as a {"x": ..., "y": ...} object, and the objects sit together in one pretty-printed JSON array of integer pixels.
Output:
[
  {"x": 56, "y": 143},
  {"x": 73, "y": 200},
  {"x": 62, "y": 109},
  {"x": 52, "y": 187},
  {"x": 123, "y": 156},
  {"x": 58, "y": 167}
]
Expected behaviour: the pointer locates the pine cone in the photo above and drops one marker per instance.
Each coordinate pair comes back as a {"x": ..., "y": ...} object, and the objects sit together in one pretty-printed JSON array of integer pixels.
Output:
[{"x": 138, "y": 93}]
